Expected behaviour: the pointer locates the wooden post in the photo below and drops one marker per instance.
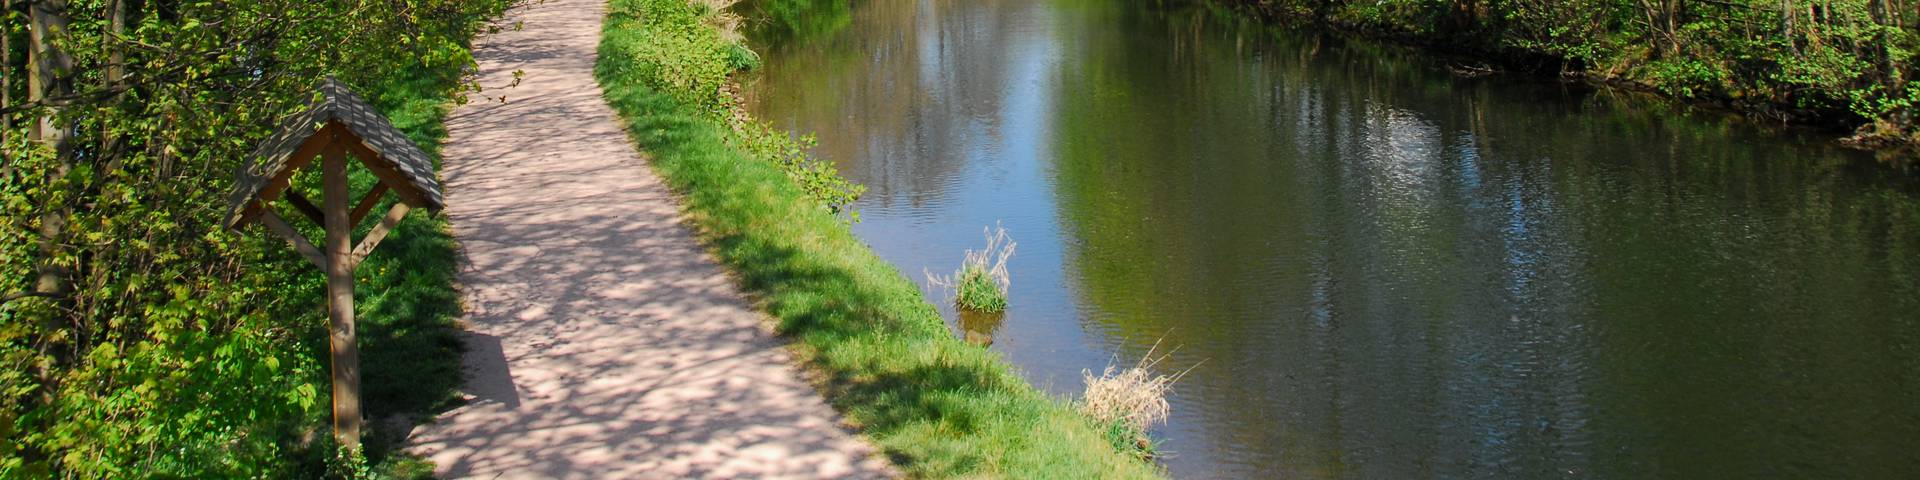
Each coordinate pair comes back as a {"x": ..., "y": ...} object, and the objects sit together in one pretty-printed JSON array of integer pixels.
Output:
[{"x": 342, "y": 338}]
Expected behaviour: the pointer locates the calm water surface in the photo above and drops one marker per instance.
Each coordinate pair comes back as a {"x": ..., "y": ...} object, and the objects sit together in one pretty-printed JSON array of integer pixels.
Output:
[{"x": 1381, "y": 271}]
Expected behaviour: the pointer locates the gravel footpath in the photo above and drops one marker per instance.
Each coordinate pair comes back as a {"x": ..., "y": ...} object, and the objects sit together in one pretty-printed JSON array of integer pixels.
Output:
[{"x": 604, "y": 342}]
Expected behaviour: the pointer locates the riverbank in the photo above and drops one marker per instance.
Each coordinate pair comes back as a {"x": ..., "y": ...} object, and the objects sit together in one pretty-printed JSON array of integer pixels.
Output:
[
  {"x": 936, "y": 405},
  {"x": 1844, "y": 67}
]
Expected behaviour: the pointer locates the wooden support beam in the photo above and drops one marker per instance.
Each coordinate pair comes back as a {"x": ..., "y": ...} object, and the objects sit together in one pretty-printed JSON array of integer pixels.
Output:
[
  {"x": 300, "y": 158},
  {"x": 387, "y": 175},
  {"x": 342, "y": 338},
  {"x": 368, "y": 202},
  {"x": 300, "y": 244},
  {"x": 379, "y": 232},
  {"x": 306, "y": 207}
]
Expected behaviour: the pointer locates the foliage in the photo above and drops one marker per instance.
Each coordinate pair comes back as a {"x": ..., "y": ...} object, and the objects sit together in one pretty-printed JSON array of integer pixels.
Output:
[
  {"x": 937, "y": 406},
  {"x": 982, "y": 281},
  {"x": 1841, "y": 61},
  {"x": 680, "y": 53},
  {"x": 158, "y": 344},
  {"x": 817, "y": 177}
]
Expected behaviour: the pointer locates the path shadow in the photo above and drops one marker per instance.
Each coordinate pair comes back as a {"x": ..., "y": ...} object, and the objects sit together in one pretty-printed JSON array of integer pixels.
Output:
[{"x": 489, "y": 376}]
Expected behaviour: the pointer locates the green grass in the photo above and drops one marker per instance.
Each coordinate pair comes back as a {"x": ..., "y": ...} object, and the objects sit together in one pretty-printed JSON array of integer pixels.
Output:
[
  {"x": 935, "y": 405},
  {"x": 978, "y": 291}
]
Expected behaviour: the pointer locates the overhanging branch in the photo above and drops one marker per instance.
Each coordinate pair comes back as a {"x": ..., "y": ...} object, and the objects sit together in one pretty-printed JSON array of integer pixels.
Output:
[{"x": 9, "y": 298}]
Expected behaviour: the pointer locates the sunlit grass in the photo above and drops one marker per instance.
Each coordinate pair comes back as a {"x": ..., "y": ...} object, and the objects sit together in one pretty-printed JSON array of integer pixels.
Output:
[{"x": 935, "y": 405}]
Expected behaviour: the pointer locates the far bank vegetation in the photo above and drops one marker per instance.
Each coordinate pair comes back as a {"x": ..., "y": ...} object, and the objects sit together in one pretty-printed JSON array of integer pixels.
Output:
[{"x": 1841, "y": 63}]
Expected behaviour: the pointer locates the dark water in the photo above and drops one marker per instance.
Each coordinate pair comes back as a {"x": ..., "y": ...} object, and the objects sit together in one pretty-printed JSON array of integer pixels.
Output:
[{"x": 1381, "y": 270}]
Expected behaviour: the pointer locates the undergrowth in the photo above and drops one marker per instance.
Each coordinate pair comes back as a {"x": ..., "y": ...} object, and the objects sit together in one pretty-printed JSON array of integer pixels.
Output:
[{"x": 172, "y": 347}]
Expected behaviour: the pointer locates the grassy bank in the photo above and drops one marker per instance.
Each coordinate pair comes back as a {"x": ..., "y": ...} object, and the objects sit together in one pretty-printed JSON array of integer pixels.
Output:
[
  {"x": 170, "y": 347},
  {"x": 1847, "y": 65},
  {"x": 937, "y": 406}
]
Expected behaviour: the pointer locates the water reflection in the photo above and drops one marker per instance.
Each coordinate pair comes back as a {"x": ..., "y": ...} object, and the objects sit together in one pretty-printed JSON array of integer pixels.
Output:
[
  {"x": 1389, "y": 272},
  {"x": 978, "y": 327}
]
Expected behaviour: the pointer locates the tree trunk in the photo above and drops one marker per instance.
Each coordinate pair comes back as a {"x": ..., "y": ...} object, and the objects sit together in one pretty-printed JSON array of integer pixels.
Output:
[
  {"x": 115, "y": 43},
  {"x": 1662, "y": 24},
  {"x": 1672, "y": 14},
  {"x": 1876, "y": 52},
  {"x": 52, "y": 70},
  {"x": 6, "y": 76},
  {"x": 1786, "y": 25},
  {"x": 112, "y": 80}
]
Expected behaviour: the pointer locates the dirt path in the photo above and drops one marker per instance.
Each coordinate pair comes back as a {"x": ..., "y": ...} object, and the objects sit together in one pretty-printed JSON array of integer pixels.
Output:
[{"x": 604, "y": 342}]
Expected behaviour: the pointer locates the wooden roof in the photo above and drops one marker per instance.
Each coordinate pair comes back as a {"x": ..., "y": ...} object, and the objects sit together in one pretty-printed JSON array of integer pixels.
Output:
[{"x": 394, "y": 157}]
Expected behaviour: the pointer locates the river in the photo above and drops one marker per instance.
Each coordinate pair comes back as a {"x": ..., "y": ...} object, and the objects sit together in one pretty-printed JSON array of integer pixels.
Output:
[{"x": 1375, "y": 268}]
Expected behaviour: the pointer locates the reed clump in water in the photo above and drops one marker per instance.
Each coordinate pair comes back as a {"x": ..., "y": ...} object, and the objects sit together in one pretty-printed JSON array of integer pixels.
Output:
[
  {"x": 982, "y": 281},
  {"x": 1129, "y": 401}
]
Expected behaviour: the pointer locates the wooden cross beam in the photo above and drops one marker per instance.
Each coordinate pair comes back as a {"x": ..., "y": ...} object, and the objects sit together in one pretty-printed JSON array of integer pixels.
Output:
[
  {"x": 361, "y": 249},
  {"x": 339, "y": 258},
  {"x": 379, "y": 232},
  {"x": 305, "y": 206},
  {"x": 300, "y": 244},
  {"x": 367, "y": 202}
]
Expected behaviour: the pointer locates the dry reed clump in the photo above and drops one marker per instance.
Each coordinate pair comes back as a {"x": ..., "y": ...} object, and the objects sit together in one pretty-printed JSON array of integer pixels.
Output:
[
  {"x": 982, "y": 281},
  {"x": 1133, "y": 398},
  {"x": 720, "y": 15}
]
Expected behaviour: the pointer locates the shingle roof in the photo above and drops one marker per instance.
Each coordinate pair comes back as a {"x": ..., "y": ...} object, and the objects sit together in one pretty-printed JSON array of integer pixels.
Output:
[{"x": 336, "y": 104}]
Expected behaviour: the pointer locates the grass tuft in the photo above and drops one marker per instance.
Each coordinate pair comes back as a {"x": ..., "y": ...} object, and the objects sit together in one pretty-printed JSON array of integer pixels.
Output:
[
  {"x": 981, "y": 284},
  {"x": 936, "y": 406}
]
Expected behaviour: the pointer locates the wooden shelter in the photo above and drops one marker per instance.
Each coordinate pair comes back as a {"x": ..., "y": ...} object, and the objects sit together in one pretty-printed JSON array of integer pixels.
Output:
[{"x": 338, "y": 125}]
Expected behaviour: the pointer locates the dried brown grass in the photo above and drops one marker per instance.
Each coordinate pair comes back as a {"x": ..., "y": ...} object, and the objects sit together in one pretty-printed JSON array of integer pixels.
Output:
[{"x": 1133, "y": 396}]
